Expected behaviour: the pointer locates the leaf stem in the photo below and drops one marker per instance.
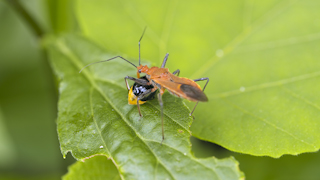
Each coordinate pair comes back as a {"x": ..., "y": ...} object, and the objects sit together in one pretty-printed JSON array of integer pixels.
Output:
[{"x": 15, "y": 4}]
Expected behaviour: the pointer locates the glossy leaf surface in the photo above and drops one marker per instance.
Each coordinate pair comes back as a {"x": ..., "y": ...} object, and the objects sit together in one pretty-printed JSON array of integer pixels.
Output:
[
  {"x": 95, "y": 119},
  {"x": 261, "y": 58},
  {"x": 98, "y": 167}
]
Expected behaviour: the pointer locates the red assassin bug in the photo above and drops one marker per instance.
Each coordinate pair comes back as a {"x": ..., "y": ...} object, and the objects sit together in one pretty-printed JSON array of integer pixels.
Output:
[{"x": 156, "y": 78}]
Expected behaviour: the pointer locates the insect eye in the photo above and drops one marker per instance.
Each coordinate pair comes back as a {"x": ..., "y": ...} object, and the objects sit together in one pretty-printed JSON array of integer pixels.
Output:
[{"x": 139, "y": 70}]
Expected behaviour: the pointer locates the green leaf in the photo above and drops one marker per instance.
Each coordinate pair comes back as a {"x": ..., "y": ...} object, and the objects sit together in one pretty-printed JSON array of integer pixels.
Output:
[
  {"x": 7, "y": 151},
  {"x": 98, "y": 167},
  {"x": 94, "y": 118},
  {"x": 303, "y": 166},
  {"x": 61, "y": 15},
  {"x": 261, "y": 59},
  {"x": 27, "y": 100}
]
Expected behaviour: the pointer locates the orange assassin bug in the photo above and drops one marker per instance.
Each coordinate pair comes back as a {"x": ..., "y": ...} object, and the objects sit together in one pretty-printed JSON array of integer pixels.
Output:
[{"x": 156, "y": 78}]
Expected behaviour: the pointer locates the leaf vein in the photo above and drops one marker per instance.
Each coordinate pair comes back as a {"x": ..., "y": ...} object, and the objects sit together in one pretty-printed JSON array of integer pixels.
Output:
[
  {"x": 266, "y": 85},
  {"x": 237, "y": 40},
  {"x": 191, "y": 157},
  {"x": 269, "y": 123},
  {"x": 104, "y": 80},
  {"x": 95, "y": 122},
  {"x": 279, "y": 43},
  {"x": 170, "y": 117},
  {"x": 293, "y": 94}
]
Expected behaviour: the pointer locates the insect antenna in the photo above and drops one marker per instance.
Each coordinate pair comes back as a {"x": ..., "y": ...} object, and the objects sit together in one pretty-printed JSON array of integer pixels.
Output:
[
  {"x": 139, "y": 42},
  {"x": 110, "y": 60}
]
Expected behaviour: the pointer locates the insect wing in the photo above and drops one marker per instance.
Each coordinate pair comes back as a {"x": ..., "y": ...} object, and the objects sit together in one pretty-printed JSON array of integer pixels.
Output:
[{"x": 190, "y": 91}]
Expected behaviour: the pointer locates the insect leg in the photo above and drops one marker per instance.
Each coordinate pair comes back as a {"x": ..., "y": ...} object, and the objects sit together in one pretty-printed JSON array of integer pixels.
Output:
[
  {"x": 202, "y": 79},
  {"x": 176, "y": 71},
  {"x": 195, "y": 80},
  {"x": 138, "y": 105},
  {"x": 165, "y": 60},
  {"x": 127, "y": 84},
  {"x": 161, "y": 109},
  {"x": 141, "y": 97},
  {"x": 139, "y": 81}
]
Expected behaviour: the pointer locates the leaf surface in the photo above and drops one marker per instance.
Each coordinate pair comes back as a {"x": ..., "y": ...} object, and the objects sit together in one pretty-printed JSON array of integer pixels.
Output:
[
  {"x": 98, "y": 167},
  {"x": 261, "y": 59},
  {"x": 94, "y": 118}
]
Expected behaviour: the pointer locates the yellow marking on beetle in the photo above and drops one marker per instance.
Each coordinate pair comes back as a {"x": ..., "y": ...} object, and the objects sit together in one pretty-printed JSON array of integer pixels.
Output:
[{"x": 132, "y": 99}]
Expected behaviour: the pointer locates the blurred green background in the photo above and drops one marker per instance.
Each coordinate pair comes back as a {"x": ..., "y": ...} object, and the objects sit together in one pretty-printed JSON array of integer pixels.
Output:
[{"x": 29, "y": 147}]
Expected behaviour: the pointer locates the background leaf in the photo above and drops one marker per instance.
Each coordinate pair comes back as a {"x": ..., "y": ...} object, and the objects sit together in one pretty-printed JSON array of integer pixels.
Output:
[
  {"x": 28, "y": 101},
  {"x": 260, "y": 58},
  {"x": 302, "y": 166},
  {"x": 98, "y": 167},
  {"x": 95, "y": 119},
  {"x": 7, "y": 152}
]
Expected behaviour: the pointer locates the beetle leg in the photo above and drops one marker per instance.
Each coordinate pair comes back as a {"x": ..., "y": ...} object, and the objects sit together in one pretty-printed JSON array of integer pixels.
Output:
[
  {"x": 176, "y": 71},
  {"x": 138, "y": 105},
  {"x": 195, "y": 80}
]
